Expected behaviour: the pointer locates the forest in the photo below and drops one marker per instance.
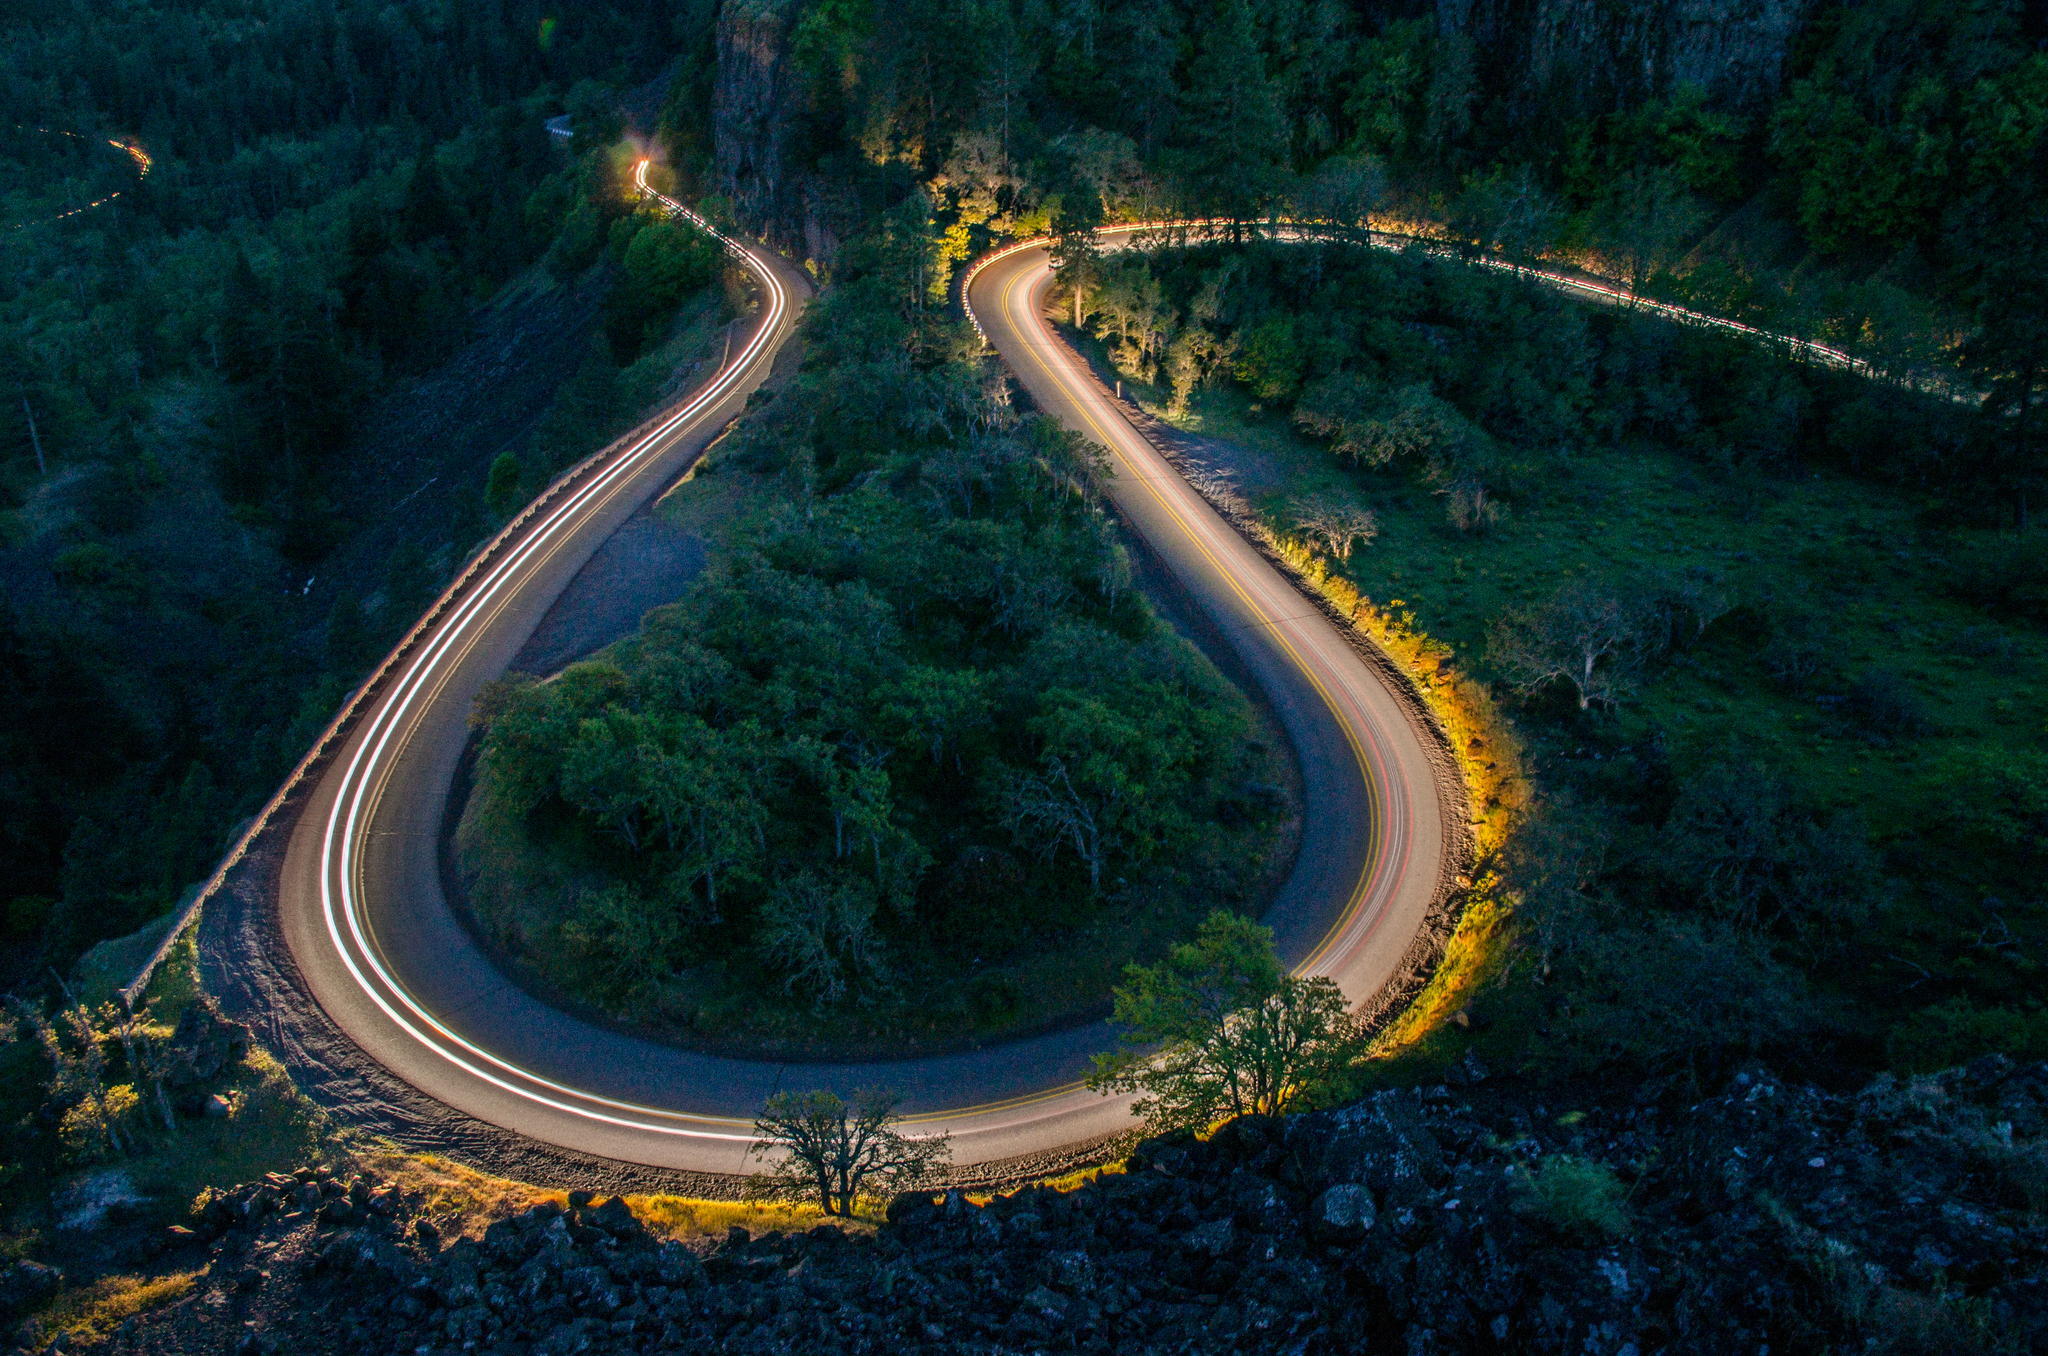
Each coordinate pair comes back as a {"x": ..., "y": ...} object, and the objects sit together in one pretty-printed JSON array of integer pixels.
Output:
[
  {"x": 336, "y": 192},
  {"x": 1785, "y": 759},
  {"x": 916, "y": 754},
  {"x": 186, "y": 484}
]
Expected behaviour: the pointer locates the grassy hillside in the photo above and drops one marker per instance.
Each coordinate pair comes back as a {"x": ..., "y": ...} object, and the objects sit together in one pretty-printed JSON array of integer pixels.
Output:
[{"x": 1800, "y": 809}]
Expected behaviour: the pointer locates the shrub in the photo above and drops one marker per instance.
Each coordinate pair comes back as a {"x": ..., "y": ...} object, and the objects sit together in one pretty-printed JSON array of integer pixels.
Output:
[
  {"x": 1577, "y": 1196},
  {"x": 1958, "y": 1030}
]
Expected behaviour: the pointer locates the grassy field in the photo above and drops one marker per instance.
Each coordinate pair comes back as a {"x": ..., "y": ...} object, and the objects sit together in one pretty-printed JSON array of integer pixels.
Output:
[
  {"x": 1910, "y": 708},
  {"x": 1850, "y": 560}
]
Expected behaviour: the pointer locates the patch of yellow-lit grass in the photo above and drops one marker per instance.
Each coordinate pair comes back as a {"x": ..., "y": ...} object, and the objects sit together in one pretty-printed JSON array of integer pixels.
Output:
[
  {"x": 1080, "y": 1177},
  {"x": 1469, "y": 958},
  {"x": 461, "y": 1200},
  {"x": 686, "y": 1218},
  {"x": 458, "y": 1199},
  {"x": 90, "y": 1313},
  {"x": 1489, "y": 763}
]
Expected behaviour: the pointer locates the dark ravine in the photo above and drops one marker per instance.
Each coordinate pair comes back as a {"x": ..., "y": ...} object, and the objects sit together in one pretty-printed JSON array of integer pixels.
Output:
[{"x": 1895, "y": 1218}]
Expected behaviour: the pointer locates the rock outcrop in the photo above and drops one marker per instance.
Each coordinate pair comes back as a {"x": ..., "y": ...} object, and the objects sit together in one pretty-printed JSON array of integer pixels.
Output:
[
  {"x": 1596, "y": 56},
  {"x": 1906, "y": 1217},
  {"x": 759, "y": 104}
]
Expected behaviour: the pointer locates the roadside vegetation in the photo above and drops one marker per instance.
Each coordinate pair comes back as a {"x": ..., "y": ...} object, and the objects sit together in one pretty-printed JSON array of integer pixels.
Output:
[
  {"x": 1772, "y": 637},
  {"x": 1759, "y": 624},
  {"x": 196, "y": 389},
  {"x": 914, "y": 763}
]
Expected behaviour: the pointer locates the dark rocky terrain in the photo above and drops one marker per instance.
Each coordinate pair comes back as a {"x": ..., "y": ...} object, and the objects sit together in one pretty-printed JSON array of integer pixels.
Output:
[{"x": 1475, "y": 1217}]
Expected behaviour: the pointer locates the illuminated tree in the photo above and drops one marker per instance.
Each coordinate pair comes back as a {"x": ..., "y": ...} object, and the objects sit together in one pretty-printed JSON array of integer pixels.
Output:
[
  {"x": 1074, "y": 253},
  {"x": 823, "y": 1148},
  {"x": 1220, "y": 1029},
  {"x": 1335, "y": 525}
]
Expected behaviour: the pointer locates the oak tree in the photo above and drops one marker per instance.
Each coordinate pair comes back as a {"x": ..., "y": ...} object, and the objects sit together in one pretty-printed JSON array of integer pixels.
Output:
[
  {"x": 825, "y": 1148},
  {"x": 1221, "y": 1029}
]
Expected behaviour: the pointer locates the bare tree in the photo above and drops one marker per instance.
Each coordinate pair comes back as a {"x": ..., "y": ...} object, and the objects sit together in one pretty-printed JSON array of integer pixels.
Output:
[
  {"x": 1053, "y": 812},
  {"x": 819, "y": 930},
  {"x": 1469, "y": 504},
  {"x": 1589, "y": 638},
  {"x": 146, "y": 1047},
  {"x": 833, "y": 1151},
  {"x": 1337, "y": 527}
]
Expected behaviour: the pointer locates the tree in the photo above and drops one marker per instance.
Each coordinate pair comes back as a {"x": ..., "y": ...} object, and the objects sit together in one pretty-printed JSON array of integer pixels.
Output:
[
  {"x": 1740, "y": 844},
  {"x": 1341, "y": 195},
  {"x": 1047, "y": 811},
  {"x": 1646, "y": 219},
  {"x": 1588, "y": 638},
  {"x": 1334, "y": 525},
  {"x": 833, "y": 1151},
  {"x": 1233, "y": 122},
  {"x": 1240, "y": 1035},
  {"x": 504, "y": 490},
  {"x": 1074, "y": 253},
  {"x": 1191, "y": 356},
  {"x": 94, "y": 1112},
  {"x": 1507, "y": 212},
  {"x": 818, "y": 928}
]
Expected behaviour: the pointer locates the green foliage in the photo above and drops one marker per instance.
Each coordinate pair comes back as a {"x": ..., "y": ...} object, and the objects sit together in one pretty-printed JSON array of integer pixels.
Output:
[
  {"x": 1910, "y": 106},
  {"x": 1958, "y": 1030},
  {"x": 1240, "y": 1035},
  {"x": 662, "y": 261},
  {"x": 1800, "y": 773},
  {"x": 1577, "y": 1196},
  {"x": 505, "y": 487},
  {"x": 928, "y": 669},
  {"x": 184, "y": 371},
  {"x": 1232, "y": 121}
]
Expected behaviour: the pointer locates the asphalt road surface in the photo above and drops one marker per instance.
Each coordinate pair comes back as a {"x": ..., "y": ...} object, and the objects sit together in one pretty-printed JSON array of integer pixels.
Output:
[{"x": 361, "y": 902}]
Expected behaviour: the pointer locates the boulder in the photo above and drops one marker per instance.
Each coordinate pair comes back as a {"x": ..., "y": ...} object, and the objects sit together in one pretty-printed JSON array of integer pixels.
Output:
[
  {"x": 1342, "y": 1214},
  {"x": 906, "y": 1206}
]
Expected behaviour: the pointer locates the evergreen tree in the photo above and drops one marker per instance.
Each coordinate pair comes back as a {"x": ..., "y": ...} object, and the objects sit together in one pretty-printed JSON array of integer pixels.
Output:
[{"x": 1231, "y": 123}]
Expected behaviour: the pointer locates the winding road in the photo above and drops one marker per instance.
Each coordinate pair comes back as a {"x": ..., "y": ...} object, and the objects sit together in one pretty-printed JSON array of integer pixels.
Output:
[
  {"x": 138, "y": 160},
  {"x": 360, "y": 898}
]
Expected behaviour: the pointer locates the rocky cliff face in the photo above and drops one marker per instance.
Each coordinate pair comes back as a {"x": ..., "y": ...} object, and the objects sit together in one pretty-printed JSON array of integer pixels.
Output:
[
  {"x": 752, "y": 105},
  {"x": 1904, "y": 1218},
  {"x": 1597, "y": 55},
  {"x": 757, "y": 114}
]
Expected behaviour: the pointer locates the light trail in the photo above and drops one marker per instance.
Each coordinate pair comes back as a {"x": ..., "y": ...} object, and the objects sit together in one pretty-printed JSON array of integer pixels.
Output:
[
  {"x": 1209, "y": 230},
  {"x": 137, "y": 157},
  {"x": 359, "y": 894},
  {"x": 339, "y": 866}
]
